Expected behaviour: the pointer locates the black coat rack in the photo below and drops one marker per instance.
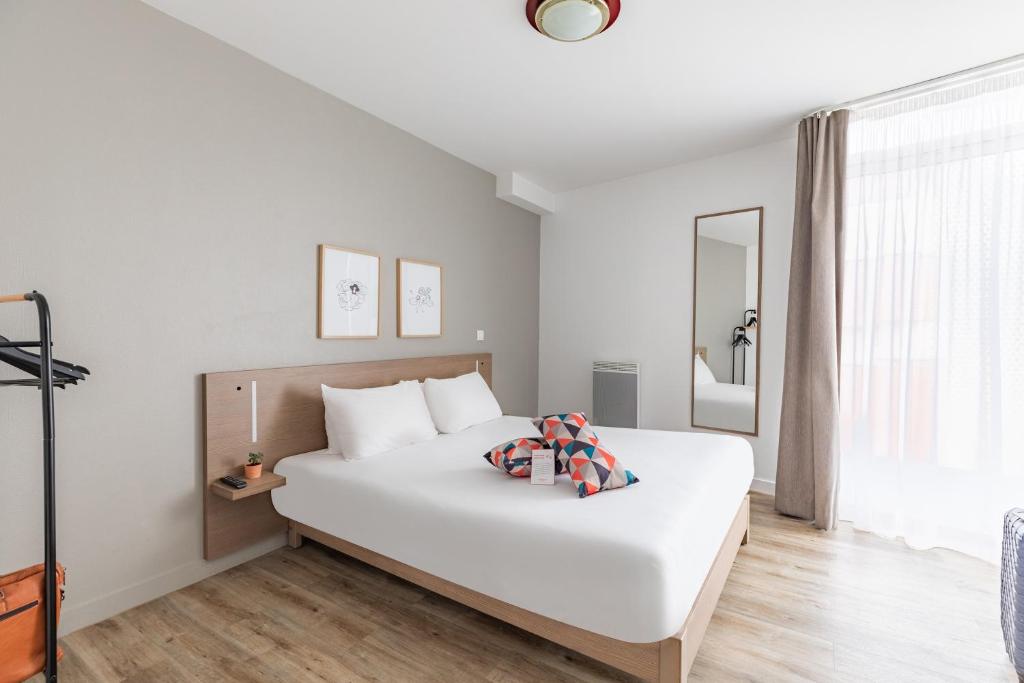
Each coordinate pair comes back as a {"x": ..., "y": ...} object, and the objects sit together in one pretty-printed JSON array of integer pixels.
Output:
[
  {"x": 49, "y": 373},
  {"x": 742, "y": 341}
]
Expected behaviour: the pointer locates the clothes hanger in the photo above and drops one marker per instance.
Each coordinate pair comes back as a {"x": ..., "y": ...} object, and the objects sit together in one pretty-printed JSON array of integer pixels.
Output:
[
  {"x": 740, "y": 338},
  {"x": 63, "y": 372}
]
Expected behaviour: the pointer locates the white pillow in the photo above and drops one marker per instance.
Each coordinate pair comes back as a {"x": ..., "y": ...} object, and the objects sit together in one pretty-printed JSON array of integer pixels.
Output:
[
  {"x": 701, "y": 372},
  {"x": 460, "y": 402},
  {"x": 364, "y": 422}
]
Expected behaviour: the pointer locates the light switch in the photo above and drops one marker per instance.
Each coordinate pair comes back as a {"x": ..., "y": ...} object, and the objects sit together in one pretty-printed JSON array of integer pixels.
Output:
[{"x": 480, "y": 335}]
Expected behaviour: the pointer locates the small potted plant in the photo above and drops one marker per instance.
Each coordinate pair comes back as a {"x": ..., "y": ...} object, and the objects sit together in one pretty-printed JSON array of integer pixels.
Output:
[{"x": 254, "y": 470}]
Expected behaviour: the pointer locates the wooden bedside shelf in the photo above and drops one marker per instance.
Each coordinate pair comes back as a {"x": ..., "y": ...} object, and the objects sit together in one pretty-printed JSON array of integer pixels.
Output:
[{"x": 268, "y": 481}]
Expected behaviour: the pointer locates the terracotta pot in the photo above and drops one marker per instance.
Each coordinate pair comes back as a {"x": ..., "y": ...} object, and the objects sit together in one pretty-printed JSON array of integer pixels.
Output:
[{"x": 254, "y": 471}]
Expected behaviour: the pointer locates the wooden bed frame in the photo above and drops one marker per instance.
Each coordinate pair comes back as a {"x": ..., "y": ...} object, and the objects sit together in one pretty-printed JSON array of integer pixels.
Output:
[{"x": 280, "y": 412}]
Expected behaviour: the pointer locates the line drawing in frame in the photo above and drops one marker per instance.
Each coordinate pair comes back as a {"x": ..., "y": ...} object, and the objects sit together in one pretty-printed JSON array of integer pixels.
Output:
[
  {"x": 348, "y": 293},
  {"x": 420, "y": 298}
]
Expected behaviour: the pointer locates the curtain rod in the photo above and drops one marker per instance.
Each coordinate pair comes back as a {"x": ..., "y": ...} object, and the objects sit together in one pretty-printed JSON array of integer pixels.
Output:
[{"x": 938, "y": 83}]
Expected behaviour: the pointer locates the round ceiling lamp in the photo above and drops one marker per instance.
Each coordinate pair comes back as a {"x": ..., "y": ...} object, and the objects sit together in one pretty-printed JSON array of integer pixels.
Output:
[{"x": 571, "y": 21}]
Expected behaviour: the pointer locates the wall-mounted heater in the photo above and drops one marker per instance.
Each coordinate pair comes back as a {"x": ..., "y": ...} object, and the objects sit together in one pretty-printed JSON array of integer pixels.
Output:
[{"x": 616, "y": 394}]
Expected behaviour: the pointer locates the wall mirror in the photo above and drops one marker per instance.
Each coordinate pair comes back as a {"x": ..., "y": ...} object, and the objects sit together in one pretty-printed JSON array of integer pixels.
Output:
[{"x": 726, "y": 320}]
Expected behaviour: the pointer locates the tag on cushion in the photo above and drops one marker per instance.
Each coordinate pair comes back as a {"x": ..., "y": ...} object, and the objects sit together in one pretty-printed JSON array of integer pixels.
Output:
[
  {"x": 565, "y": 433},
  {"x": 593, "y": 469},
  {"x": 515, "y": 457},
  {"x": 543, "y": 467}
]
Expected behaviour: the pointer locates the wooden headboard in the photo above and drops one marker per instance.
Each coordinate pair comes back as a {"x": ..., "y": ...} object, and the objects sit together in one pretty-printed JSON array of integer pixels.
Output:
[
  {"x": 280, "y": 412},
  {"x": 702, "y": 351}
]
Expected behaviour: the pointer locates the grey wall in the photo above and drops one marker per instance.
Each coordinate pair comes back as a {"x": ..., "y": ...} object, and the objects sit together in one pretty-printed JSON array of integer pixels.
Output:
[
  {"x": 167, "y": 192},
  {"x": 636, "y": 297},
  {"x": 721, "y": 292}
]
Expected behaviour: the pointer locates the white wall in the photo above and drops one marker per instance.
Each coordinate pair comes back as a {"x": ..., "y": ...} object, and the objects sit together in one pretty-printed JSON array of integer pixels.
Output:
[
  {"x": 168, "y": 193},
  {"x": 617, "y": 283}
]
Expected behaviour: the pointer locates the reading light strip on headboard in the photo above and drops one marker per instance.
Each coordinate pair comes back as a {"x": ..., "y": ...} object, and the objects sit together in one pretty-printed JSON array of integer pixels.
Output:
[{"x": 255, "y": 433}]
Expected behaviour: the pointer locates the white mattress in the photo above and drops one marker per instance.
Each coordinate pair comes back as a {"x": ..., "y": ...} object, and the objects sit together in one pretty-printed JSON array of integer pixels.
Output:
[
  {"x": 724, "y": 406},
  {"x": 626, "y": 563}
]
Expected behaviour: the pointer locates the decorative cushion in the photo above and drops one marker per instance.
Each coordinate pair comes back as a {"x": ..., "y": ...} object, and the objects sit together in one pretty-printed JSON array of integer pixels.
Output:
[
  {"x": 579, "y": 452},
  {"x": 593, "y": 469},
  {"x": 565, "y": 433},
  {"x": 515, "y": 457}
]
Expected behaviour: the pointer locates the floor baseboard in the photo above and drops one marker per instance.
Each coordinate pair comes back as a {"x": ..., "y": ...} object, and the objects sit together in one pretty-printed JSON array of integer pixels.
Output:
[
  {"x": 763, "y": 486},
  {"x": 105, "y": 606}
]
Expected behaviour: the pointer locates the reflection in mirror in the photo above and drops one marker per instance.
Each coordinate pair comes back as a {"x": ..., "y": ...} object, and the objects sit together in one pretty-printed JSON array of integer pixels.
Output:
[{"x": 726, "y": 308}]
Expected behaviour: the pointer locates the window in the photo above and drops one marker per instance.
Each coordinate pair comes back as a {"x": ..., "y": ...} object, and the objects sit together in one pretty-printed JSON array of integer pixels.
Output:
[{"x": 932, "y": 377}]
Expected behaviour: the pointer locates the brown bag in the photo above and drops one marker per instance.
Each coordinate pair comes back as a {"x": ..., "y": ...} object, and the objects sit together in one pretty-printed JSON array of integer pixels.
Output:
[{"x": 23, "y": 623}]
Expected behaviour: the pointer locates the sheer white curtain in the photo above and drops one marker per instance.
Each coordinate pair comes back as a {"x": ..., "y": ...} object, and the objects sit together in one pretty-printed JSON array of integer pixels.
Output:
[{"x": 932, "y": 377}]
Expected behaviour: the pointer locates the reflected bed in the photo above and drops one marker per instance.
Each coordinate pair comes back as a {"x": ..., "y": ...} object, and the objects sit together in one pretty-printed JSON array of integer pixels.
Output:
[{"x": 724, "y": 406}]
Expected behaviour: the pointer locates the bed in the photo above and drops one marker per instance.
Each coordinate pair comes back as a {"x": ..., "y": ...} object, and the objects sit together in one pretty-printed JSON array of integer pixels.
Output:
[
  {"x": 439, "y": 507},
  {"x": 634, "y": 574},
  {"x": 724, "y": 406}
]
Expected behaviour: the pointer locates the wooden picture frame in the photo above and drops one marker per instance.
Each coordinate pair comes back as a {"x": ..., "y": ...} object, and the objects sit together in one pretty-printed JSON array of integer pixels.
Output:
[
  {"x": 358, "y": 272},
  {"x": 420, "y": 313}
]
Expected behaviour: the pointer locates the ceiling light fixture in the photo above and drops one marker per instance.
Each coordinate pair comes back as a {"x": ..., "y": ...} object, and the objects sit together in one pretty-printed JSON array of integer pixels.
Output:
[{"x": 571, "y": 21}]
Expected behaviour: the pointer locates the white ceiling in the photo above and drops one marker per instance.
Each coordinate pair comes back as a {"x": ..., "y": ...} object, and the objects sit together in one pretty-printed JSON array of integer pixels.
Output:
[{"x": 672, "y": 81}]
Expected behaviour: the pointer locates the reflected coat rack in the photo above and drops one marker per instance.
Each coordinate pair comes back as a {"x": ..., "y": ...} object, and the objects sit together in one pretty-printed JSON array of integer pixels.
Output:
[
  {"x": 740, "y": 340},
  {"x": 49, "y": 373}
]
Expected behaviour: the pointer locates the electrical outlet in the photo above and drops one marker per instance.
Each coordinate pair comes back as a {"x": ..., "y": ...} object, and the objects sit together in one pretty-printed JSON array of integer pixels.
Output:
[{"x": 480, "y": 336}]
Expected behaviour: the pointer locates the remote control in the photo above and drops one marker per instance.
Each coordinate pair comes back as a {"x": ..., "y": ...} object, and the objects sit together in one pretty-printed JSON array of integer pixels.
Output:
[{"x": 234, "y": 482}]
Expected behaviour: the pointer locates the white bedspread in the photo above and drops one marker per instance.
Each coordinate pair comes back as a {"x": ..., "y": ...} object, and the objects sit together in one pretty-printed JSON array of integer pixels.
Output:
[
  {"x": 724, "y": 406},
  {"x": 626, "y": 563}
]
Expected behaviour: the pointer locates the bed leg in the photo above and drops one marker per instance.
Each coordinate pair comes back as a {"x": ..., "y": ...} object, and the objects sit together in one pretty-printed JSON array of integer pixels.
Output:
[
  {"x": 670, "y": 661},
  {"x": 746, "y": 531},
  {"x": 294, "y": 537}
]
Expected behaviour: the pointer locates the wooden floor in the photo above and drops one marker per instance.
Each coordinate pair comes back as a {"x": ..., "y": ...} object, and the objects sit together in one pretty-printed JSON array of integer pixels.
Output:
[{"x": 800, "y": 605}]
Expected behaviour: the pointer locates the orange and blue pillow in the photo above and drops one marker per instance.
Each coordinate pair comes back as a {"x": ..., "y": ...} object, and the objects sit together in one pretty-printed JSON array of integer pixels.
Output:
[
  {"x": 593, "y": 469},
  {"x": 579, "y": 452},
  {"x": 565, "y": 434},
  {"x": 515, "y": 457}
]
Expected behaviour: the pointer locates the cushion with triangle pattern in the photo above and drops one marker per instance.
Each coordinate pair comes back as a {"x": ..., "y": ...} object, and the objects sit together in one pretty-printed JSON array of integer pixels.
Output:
[
  {"x": 593, "y": 469},
  {"x": 565, "y": 433},
  {"x": 515, "y": 457},
  {"x": 579, "y": 452}
]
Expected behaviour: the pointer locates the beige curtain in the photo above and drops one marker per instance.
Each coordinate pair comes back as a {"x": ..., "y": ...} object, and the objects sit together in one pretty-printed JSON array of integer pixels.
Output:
[{"x": 807, "y": 479}]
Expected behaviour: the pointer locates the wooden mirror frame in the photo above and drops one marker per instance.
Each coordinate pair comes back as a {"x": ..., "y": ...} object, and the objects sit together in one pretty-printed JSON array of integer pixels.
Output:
[{"x": 760, "y": 321}]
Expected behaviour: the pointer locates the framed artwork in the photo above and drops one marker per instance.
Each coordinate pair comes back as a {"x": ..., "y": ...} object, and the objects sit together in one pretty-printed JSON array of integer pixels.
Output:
[
  {"x": 420, "y": 298},
  {"x": 348, "y": 297}
]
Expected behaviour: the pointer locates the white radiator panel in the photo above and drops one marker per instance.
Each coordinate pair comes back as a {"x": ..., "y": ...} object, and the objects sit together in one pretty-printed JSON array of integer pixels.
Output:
[{"x": 616, "y": 394}]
